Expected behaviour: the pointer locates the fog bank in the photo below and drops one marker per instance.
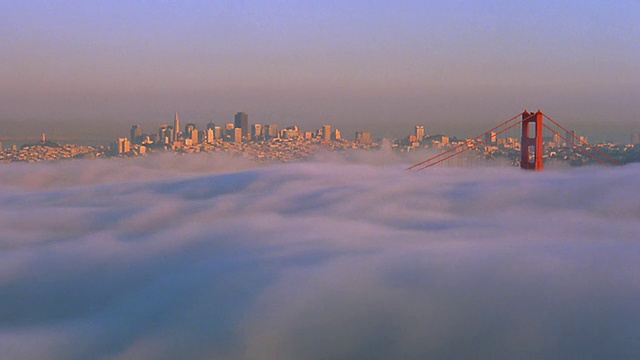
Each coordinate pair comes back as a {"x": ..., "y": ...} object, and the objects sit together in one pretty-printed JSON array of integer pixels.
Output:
[{"x": 214, "y": 257}]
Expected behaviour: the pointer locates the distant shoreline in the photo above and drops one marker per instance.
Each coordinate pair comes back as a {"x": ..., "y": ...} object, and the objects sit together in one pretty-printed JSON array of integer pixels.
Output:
[{"x": 9, "y": 142}]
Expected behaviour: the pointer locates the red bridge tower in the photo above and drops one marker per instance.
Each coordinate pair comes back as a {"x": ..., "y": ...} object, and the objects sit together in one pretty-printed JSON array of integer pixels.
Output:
[{"x": 532, "y": 143}]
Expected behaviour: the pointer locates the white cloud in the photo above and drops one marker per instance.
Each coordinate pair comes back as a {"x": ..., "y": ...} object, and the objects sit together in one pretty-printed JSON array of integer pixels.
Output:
[{"x": 214, "y": 257}]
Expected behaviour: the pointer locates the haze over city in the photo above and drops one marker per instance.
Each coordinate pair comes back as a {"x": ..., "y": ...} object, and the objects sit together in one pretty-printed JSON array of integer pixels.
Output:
[{"x": 90, "y": 69}]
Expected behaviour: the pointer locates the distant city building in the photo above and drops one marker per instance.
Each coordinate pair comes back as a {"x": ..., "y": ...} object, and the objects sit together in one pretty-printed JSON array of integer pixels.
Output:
[
  {"x": 229, "y": 131},
  {"x": 241, "y": 121},
  {"x": 178, "y": 144},
  {"x": 165, "y": 134},
  {"x": 337, "y": 135},
  {"x": 136, "y": 134},
  {"x": 635, "y": 139},
  {"x": 271, "y": 131},
  {"x": 490, "y": 138},
  {"x": 326, "y": 133},
  {"x": 211, "y": 125},
  {"x": 188, "y": 129},
  {"x": 290, "y": 132},
  {"x": 217, "y": 132},
  {"x": 123, "y": 146},
  {"x": 195, "y": 136},
  {"x": 176, "y": 127},
  {"x": 256, "y": 131},
  {"x": 211, "y": 135},
  {"x": 441, "y": 139},
  {"x": 419, "y": 132},
  {"x": 363, "y": 137},
  {"x": 237, "y": 135},
  {"x": 571, "y": 137}
]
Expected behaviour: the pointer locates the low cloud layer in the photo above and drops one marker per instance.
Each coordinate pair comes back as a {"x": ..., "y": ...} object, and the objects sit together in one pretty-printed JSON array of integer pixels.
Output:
[{"x": 205, "y": 257}]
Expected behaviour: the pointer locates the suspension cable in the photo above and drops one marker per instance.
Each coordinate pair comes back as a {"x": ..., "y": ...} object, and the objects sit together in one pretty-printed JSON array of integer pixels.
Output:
[
  {"x": 469, "y": 147},
  {"x": 584, "y": 143},
  {"x": 461, "y": 145},
  {"x": 577, "y": 147}
]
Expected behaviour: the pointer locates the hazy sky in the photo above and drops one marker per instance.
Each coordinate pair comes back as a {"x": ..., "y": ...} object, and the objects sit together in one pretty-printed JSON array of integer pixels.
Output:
[{"x": 378, "y": 65}]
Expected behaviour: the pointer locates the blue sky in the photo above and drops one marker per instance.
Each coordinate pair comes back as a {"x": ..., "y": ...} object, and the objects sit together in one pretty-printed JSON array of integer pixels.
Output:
[{"x": 380, "y": 65}]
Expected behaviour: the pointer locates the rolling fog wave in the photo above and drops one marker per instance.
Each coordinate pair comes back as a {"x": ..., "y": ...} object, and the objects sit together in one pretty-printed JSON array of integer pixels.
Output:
[{"x": 216, "y": 258}]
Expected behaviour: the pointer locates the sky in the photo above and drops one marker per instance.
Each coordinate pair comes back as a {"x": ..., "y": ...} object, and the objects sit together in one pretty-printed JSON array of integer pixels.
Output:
[
  {"x": 343, "y": 257},
  {"x": 91, "y": 69}
]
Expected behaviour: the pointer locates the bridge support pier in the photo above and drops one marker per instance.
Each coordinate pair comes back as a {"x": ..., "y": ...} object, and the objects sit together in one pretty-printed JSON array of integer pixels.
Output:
[{"x": 532, "y": 142}]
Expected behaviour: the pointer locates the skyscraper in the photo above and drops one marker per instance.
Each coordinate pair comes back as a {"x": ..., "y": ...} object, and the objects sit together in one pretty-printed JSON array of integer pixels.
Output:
[
  {"x": 176, "y": 127},
  {"x": 241, "y": 121},
  {"x": 490, "y": 138},
  {"x": 326, "y": 133},
  {"x": 419, "y": 132},
  {"x": 635, "y": 139},
  {"x": 363, "y": 137},
  {"x": 257, "y": 131},
  {"x": 571, "y": 137},
  {"x": 195, "y": 136},
  {"x": 229, "y": 131},
  {"x": 136, "y": 134},
  {"x": 123, "y": 146},
  {"x": 188, "y": 129},
  {"x": 271, "y": 131},
  {"x": 164, "y": 134}
]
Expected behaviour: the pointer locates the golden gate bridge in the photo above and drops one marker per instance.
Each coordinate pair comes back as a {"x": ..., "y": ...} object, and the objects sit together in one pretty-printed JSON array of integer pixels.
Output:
[{"x": 532, "y": 126}]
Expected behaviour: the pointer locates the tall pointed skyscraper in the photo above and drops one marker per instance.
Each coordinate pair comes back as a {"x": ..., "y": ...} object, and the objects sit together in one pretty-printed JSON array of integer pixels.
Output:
[{"x": 176, "y": 127}]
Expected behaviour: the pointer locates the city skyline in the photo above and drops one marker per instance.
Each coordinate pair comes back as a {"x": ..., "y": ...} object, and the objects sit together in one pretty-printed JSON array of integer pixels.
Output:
[
  {"x": 456, "y": 66},
  {"x": 514, "y": 142},
  {"x": 77, "y": 133}
]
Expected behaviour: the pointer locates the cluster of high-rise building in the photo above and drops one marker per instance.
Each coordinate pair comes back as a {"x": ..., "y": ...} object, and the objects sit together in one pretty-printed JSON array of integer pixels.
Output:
[
  {"x": 268, "y": 141},
  {"x": 176, "y": 137}
]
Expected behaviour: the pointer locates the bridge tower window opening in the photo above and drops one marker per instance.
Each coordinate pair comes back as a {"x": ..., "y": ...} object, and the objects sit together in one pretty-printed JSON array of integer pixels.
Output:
[{"x": 531, "y": 130}]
